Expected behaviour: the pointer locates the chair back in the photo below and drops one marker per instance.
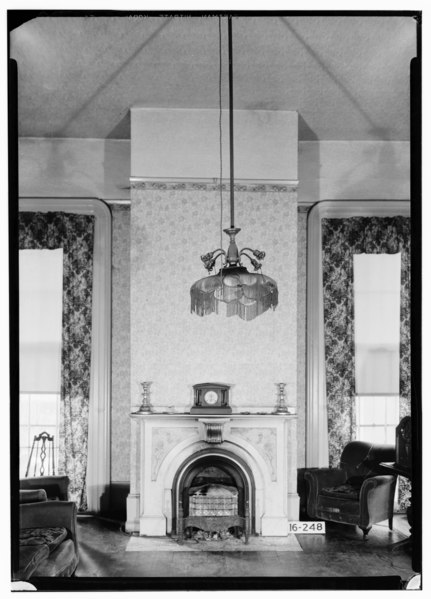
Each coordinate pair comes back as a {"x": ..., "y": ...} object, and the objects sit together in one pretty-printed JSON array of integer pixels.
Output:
[
  {"x": 403, "y": 443},
  {"x": 41, "y": 461},
  {"x": 362, "y": 459}
]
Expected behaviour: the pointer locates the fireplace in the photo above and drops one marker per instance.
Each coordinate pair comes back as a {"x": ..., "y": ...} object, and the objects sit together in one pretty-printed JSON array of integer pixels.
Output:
[
  {"x": 234, "y": 474},
  {"x": 213, "y": 496}
]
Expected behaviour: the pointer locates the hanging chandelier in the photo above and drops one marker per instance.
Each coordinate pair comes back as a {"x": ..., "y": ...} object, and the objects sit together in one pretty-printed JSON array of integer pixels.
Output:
[{"x": 240, "y": 292}]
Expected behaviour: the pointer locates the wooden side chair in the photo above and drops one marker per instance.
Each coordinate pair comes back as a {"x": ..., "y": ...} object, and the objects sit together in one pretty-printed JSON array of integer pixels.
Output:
[
  {"x": 40, "y": 472},
  {"x": 41, "y": 456}
]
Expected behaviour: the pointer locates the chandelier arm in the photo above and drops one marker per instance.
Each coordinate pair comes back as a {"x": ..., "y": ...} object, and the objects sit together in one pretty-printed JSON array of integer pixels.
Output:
[
  {"x": 209, "y": 255},
  {"x": 218, "y": 250},
  {"x": 209, "y": 259},
  {"x": 256, "y": 265},
  {"x": 222, "y": 253},
  {"x": 256, "y": 253}
]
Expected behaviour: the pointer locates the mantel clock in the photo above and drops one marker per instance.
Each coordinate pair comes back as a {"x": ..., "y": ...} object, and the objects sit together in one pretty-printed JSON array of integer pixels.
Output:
[{"x": 211, "y": 398}]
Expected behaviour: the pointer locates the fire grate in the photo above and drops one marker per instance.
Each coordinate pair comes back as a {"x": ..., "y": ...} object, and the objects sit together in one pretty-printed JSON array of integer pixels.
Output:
[{"x": 213, "y": 508}]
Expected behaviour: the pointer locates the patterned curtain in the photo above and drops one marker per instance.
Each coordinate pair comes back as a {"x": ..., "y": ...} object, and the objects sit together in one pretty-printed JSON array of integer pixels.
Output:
[
  {"x": 75, "y": 234},
  {"x": 341, "y": 239}
]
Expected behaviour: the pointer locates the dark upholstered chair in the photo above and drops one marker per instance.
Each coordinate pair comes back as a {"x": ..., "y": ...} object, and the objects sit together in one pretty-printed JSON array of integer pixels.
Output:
[
  {"x": 357, "y": 492},
  {"x": 48, "y": 544},
  {"x": 56, "y": 487}
]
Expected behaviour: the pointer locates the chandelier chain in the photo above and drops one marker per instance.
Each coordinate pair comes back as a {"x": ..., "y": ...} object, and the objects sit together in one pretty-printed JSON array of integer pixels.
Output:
[
  {"x": 232, "y": 209},
  {"x": 220, "y": 130}
]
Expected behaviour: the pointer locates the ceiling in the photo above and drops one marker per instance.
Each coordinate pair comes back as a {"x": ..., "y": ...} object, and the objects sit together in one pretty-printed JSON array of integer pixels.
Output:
[{"x": 348, "y": 77}]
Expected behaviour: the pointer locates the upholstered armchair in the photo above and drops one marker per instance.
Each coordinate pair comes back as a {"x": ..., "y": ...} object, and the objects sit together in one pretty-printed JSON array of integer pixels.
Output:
[
  {"x": 48, "y": 544},
  {"x": 56, "y": 486},
  {"x": 357, "y": 492}
]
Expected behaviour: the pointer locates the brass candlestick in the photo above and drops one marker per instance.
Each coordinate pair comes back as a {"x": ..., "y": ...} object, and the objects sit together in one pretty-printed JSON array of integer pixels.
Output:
[
  {"x": 281, "y": 407},
  {"x": 145, "y": 406}
]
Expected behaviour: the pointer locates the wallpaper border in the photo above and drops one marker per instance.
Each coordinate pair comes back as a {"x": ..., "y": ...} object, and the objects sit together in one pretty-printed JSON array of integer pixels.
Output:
[{"x": 211, "y": 185}]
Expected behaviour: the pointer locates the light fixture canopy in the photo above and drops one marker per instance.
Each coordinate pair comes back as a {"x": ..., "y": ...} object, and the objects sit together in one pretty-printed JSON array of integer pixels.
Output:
[{"x": 244, "y": 294}]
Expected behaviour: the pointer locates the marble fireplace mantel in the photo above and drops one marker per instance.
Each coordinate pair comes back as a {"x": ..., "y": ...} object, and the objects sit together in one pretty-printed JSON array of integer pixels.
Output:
[{"x": 166, "y": 443}]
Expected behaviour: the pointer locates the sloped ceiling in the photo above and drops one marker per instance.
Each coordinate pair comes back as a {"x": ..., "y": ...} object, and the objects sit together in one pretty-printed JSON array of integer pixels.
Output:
[{"x": 348, "y": 77}]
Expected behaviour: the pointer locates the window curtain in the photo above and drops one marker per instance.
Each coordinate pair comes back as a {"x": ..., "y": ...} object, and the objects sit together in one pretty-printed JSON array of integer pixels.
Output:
[
  {"x": 75, "y": 234},
  {"x": 341, "y": 239}
]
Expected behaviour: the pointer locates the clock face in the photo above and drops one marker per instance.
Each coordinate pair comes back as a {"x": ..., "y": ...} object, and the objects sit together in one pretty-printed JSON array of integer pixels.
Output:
[{"x": 210, "y": 398}]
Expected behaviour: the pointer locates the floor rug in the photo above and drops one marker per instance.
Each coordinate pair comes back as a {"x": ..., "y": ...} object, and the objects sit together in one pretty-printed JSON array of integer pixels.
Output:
[{"x": 289, "y": 543}]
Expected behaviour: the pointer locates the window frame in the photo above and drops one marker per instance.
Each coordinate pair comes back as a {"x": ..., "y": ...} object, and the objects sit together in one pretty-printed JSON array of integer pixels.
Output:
[
  {"x": 386, "y": 397},
  {"x": 29, "y": 398},
  {"x": 316, "y": 450},
  {"x": 99, "y": 441}
]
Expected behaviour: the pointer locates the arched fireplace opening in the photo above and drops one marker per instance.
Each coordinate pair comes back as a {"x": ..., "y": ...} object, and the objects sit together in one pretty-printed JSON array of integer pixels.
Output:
[{"x": 213, "y": 496}]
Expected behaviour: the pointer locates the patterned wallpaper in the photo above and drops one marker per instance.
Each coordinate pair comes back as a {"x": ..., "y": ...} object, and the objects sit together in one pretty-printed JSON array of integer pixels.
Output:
[
  {"x": 120, "y": 406},
  {"x": 175, "y": 349}
]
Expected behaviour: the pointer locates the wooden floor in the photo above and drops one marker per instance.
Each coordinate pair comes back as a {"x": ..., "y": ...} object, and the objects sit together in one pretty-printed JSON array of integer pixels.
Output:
[{"x": 340, "y": 553}]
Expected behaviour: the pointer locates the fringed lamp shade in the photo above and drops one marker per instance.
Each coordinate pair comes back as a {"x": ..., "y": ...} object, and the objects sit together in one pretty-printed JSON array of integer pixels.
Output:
[{"x": 244, "y": 294}]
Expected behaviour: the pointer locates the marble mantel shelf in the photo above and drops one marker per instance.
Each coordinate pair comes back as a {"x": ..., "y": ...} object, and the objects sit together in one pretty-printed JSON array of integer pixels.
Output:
[{"x": 223, "y": 416}]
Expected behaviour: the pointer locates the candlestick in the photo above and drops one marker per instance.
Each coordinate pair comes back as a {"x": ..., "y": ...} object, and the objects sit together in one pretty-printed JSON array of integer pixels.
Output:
[
  {"x": 281, "y": 407},
  {"x": 145, "y": 406}
]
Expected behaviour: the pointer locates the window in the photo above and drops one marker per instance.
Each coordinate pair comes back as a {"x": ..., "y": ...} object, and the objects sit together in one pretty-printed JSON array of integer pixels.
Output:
[
  {"x": 317, "y": 417},
  {"x": 377, "y": 345},
  {"x": 40, "y": 313},
  {"x": 98, "y": 466}
]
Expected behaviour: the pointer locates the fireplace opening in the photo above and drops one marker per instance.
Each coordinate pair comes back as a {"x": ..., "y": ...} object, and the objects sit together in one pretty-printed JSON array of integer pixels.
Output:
[{"x": 213, "y": 501}]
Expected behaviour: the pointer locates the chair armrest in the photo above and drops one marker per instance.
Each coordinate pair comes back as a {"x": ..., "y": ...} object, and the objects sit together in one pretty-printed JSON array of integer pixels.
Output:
[
  {"x": 55, "y": 486},
  {"x": 376, "y": 498},
  {"x": 317, "y": 479},
  {"x": 50, "y": 514},
  {"x": 32, "y": 495},
  {"x": 325, "y": 477}
]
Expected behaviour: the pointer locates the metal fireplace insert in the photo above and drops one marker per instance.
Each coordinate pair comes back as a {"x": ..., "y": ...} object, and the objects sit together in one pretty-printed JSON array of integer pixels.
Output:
[{"x": 213, "y": 498}]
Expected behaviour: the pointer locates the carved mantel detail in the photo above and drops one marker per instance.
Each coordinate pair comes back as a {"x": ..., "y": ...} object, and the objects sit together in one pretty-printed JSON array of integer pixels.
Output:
[
  {"x": 265, "y": 441},
  {"x": 163, "y": 441},
  {"x": 213, "y": 429}
]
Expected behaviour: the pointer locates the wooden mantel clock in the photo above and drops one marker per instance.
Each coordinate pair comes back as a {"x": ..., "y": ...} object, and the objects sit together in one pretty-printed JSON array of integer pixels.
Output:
[{"x": 211, "y": 398}]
